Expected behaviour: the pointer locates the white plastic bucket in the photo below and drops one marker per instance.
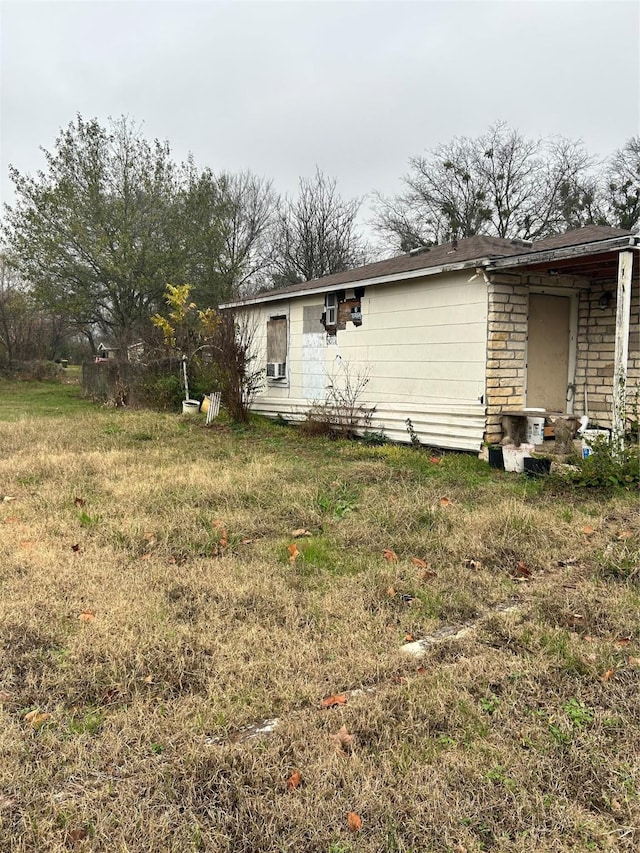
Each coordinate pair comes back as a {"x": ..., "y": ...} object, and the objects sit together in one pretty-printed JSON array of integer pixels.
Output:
[
  {"x": 514, "y": 457},
  {"x": 190, "y": 407},
  {"x": 589, "y": 436},
  {"x": 535, "y": 430}
]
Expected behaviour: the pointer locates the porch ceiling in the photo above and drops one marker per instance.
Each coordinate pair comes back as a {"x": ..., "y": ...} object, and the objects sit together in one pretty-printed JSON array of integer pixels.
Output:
[{"x": 601, "y": 267}]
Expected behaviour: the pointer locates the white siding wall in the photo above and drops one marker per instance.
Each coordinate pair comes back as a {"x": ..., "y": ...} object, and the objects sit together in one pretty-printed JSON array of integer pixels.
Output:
[{"x": 423, "y": 344}]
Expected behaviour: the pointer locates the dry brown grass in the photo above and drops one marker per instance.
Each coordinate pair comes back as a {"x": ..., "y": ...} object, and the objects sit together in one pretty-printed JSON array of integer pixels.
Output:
[{"x": 521, "y": 735}]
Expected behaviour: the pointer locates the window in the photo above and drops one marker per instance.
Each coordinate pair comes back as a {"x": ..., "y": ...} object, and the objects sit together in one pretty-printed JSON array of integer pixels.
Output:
[
  {"x": 330, "y": 309},
  {"x": 277, "y": 348}
]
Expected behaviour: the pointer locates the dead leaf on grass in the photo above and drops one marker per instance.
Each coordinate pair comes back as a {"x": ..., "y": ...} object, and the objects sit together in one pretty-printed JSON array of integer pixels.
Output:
[
  {"x": 354, "y": 822},
  {"x": 445, "y": 501},
  {"x": 79, "y": 501},
  {"x": 87, "y": 616},
  {"x": 623, "y": 641},
  {"x": 5, "y": 696},
  {"x": 293, "y": 552},
  {"x": 624, "y": 534},
  {"x": 573, "y": 620},
  {"x": 421, "y": 670},
  {"x": 148, "y": 679},
  {"x": 421, "y": 564},
  {"x": 343, "y": 741},
  {"x": 391, "y": 591},
  {"x": 470, "y": 563},
  {"x": 146, "y": 556},
  {"x": 299, "y": 532},
  {"x": 522, "y": 570},
  {"x": 334, "y": 701},
  {"x": 588, "y": 530},
  {"x": 634, "y": 662},
  {"x": 435, "y": 460},
  {"x": 427, "y": 574},
  {"x": 76, "y": 835},
  {"x": 408, "y": 638},
  {"x": 75, "y": 548},
  {"x": 8, "y": 498},
  {"x": 36, "y": 719},
  {"x": 294, "y": 780},
  {"x": 390, "y": 555},
  {"x": 608, "y": 675}
]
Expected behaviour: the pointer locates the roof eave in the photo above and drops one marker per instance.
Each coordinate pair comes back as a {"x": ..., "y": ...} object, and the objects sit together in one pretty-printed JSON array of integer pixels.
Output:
[
  {"x": 579, "y": 250},
  {"x": 360, "y": 282}
]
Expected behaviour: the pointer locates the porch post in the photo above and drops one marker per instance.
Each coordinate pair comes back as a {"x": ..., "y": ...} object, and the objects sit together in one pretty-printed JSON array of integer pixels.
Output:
[{"x": 623, "y": 315}]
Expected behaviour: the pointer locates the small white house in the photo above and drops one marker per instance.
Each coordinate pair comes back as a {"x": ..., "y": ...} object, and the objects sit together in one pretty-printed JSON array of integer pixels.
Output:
[{"x": 456, "y": 337}]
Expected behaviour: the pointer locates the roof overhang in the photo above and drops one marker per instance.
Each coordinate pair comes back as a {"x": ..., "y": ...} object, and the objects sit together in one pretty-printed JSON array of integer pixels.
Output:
[
  {"x": 588, "y": 260},
  {"x": 362, "y": 282}
]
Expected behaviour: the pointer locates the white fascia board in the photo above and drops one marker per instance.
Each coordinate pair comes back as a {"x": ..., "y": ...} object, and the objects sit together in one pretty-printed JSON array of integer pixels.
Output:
[
  {"x": 361, "y": 282},
  {"x": 566, "y": 252}
]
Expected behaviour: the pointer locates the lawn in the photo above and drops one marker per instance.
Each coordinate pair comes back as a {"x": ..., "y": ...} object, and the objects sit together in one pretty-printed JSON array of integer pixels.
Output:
[{"x": 202, "y": 643}]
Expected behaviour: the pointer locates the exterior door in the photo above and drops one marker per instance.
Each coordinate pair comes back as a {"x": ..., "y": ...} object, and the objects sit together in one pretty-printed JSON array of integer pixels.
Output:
[{"x": 548, "y": 352}]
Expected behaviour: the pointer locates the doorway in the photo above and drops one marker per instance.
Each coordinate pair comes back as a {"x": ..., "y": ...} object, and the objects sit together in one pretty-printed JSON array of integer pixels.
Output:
[{"x": 549, "y": 353}]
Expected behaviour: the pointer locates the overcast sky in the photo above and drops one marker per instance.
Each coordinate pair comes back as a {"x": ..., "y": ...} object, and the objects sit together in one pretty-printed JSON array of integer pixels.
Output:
[{"x": 353, "y": 87}]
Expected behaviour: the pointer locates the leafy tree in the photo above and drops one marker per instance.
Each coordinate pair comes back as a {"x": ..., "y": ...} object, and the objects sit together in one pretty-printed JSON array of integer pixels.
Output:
[
  {"x": 316, "y": 233},
  {"x": 97, "y": 233}
]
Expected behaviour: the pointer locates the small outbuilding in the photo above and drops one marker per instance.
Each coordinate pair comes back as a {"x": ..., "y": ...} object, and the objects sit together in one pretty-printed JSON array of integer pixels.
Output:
[{"x": 456, "y": 337}]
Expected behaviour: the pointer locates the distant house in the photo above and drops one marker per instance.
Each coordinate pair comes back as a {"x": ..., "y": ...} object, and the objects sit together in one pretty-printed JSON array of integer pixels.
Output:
[
  {"x": 104, "y": 353},
  {"x": 456, "y": 337}
]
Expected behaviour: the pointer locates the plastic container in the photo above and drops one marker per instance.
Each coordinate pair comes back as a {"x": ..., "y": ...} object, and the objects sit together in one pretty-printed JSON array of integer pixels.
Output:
[
  {"x": 588, "y": 438},
  {"x": 535, "y": 430},
  {"x": 514, "y": 456},
  {"x": 190, "y": 407}
]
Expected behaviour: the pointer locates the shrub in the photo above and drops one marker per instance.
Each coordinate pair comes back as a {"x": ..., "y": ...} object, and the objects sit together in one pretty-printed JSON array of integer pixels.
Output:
[{"x": 608, "y": 466}]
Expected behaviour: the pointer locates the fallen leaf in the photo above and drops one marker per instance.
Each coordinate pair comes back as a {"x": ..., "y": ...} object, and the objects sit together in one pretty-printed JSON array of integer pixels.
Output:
[
  {"x": 334, "y": 701},
  {"x": 354, "y": 822},
  {"x": 7, "y": 801},
  {"x": 421, "y": 670},
  {"x": 399, "y": 679},
  {"x": 293, "y": 552},
  {"x": 7, "y": 499},
  {"x": 419, "y": 563},
  {"x": 79, "y": 501},
  {"x": 435, "y": 460},
  {"x": 428, "y": 573},
  {"x": 470, "y": 563},
  {"x": 148, "y": 679},
  {"x": 36, "y": 718},
  {"x": 146, "y": 556},
  {"x": 408, "y": 638},
  {"x": 75, "y": 548},
  {"x": 390, "y": 555},
  {"x": 223, "y": 541},
  {"x": 445, "y": 501},
  {"x": 634, "y": 662},
  {"x": 294, "y": 780},
  {"x": 87, "y": 616},
  {"x": 625, "y": 534},
  {"x": 76, "y": 835},
  {"x": 573, "y": 620},
  {"x": 391, "y": 591},
  {"x": 522, "y": 570},
  {"x": 623, "y": 641},
  {"x": 248, "y": 541},
  {"x": 608, "y": 675},
  {"x": 343, "y": 741},
  {"x": 300, "y": 531},
  {"x": 5, "y": 696},
  {"x": 588, "y": 530}
]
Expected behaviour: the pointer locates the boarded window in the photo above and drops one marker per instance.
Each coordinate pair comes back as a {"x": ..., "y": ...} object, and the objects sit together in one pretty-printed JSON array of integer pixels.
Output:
[{"x": 277, "y": 340}]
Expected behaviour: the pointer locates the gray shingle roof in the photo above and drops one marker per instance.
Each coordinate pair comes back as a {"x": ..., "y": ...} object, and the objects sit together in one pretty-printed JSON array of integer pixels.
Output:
[{"x": 465, "y": 252}]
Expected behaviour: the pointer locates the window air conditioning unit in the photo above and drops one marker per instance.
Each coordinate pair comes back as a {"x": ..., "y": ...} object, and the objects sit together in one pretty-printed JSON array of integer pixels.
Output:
[{"x": 276, "y": 369}]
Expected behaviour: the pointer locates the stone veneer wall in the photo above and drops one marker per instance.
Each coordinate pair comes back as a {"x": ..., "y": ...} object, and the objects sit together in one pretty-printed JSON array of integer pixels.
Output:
[
  {"x": 596, "y": 348},
  {"x": 507, "y": 341}
]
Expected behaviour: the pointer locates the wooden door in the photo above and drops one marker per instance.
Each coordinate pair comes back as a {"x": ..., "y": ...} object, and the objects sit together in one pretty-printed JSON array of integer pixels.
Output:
[{"x": 548, "y": 352}]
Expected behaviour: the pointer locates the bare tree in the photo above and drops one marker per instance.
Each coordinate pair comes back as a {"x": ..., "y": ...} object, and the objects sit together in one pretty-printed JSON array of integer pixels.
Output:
[
  {"x": 622, "y": 186},
  {"x": 499, "y": 183},
  {"x": 316, "y": 233}
]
